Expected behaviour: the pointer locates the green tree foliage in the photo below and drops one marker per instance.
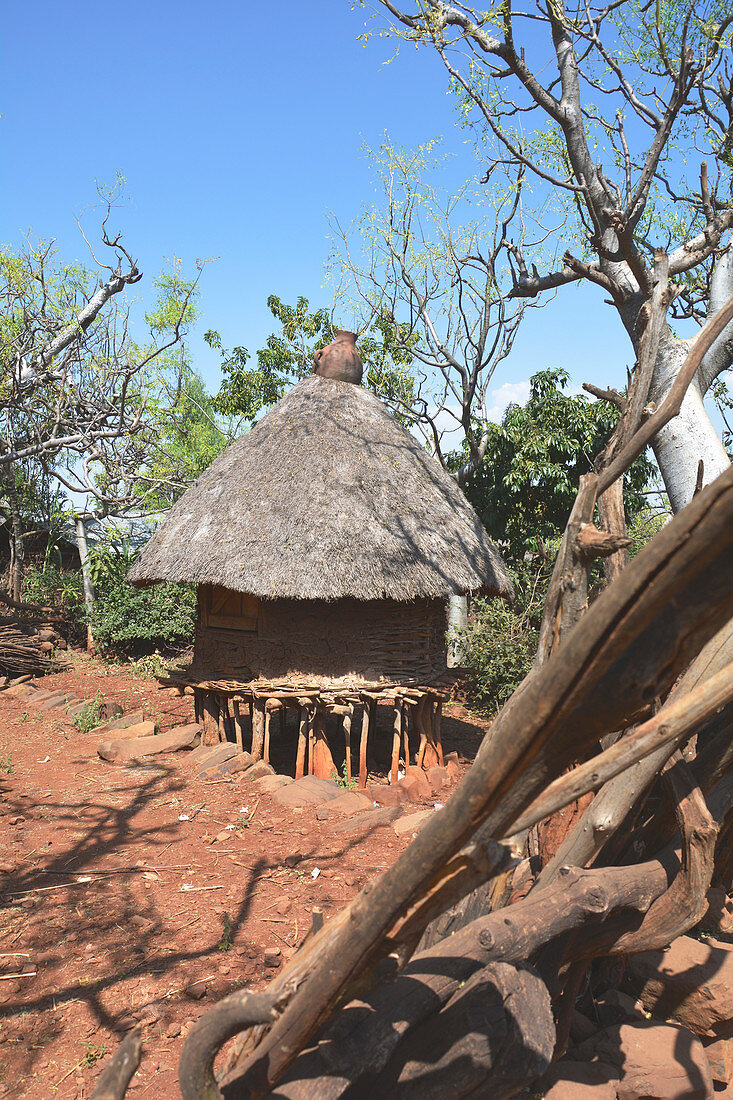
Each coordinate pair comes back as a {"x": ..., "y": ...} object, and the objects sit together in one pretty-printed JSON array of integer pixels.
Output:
[
  {"x": 526, "y": 486},
  {"x": 247, "y": 391}
]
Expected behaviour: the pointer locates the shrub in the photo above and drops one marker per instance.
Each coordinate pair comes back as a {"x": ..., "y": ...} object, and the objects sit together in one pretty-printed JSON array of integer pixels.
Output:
[
  {"x": 130, "y": 619},
  {"x": 500, "y": 642},
  {"x": 61, "y": 589}
]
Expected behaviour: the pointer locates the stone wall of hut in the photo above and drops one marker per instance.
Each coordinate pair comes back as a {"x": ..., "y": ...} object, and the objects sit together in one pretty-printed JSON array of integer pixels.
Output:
[{"x": 370, "y": 640}]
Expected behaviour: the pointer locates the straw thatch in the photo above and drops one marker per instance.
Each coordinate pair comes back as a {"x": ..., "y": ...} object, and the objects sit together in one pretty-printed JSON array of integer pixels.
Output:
[{"x": 327, "y": 497}]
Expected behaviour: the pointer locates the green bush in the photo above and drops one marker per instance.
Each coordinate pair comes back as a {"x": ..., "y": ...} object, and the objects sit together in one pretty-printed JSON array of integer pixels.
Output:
[
  {"x": 61, "y": 589},
  {"x": 130, "y": 619},
  {"x": 500, "y": 643}
]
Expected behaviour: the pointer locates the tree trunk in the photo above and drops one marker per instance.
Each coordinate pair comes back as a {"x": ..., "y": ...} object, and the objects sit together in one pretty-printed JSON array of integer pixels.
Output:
[
  {"x": 457, "y": 621},
  {"x": 689, "y": 438},
  {"x": 16, "y": 540},
  {"x": 89, "y": 597}
]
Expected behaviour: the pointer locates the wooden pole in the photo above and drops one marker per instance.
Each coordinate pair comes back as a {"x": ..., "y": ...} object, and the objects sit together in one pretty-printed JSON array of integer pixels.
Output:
[
  {"x": 311, "y": 741},
  {"x": 363, "y": 747},
  {"x": 404, "y": 710},
  {"x": 347, "y": 741},
  {"x": 436, "y": 730},
  {"x": 396, "y": 742},
  {"x": 419, "y": 714},
  {"x": 323, "y": 765},
  {"x": 210, "y": 719},
  {"x": 302, "y": 742},
  {"x": 266, "y": 750},
  {"x": 258, "y": 727},
  {"x": 238, "y": 725}
]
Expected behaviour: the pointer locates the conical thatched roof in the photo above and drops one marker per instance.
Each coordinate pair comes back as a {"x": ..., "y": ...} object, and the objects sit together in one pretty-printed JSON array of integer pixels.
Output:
[{"x": 327, "y": 497}]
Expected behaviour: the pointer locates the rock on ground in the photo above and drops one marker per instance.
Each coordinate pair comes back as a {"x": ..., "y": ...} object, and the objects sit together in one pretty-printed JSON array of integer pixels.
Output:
[
  {"x": 653, "y": 1061},
  {"x": 690, "y": 981}
]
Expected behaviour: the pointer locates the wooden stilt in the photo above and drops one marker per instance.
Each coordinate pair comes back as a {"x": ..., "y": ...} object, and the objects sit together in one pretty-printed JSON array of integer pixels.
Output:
[
  {"x": 404, "y": 711},
  {"x": 238, "y": 719},
  {"x": 266, "y": 748},
  {"x": 436, "y": 728},
  {"x": 282, "y": 722},
  {"x": 347, "y": 741},
  {"x": 323, "y": 765},
  {"x": 396, "y": 743},
  {"x": 420, "y": 724},
  {"x": 258, "y": 728},
  {"x": 302, "y": 742},
  {"x": 363, "y": 747},
  {"x": 210, "y": 719},
  {"x": 431, "y": 756},
  {"x": 311, "y": 740}
]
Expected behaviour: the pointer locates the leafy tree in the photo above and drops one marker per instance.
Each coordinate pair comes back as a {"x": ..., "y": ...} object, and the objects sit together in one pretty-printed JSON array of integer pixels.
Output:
[
  {"x": 525, "y": 488},
  {"x": 288, "y": 356}
]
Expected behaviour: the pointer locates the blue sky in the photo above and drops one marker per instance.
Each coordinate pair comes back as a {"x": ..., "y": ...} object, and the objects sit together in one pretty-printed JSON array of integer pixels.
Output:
[{"x": 237, "y": 126}]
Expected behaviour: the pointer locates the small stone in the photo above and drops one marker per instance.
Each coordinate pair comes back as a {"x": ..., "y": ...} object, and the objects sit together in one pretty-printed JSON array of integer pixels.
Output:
[
  {"x": 7, "y": 868},
  {"x": 259, "y": 768},
  {"x": 350, "y": 802},
  {"x": 18, "y": 819},
  {"x": 173, "y": 1029},
  {"x": 195, "y": 990},
  {"x": 283, "y": 906},
  {"x": 384, "y": 795},
  {"x": 322, "y": 813},
  {"x": 366, "y": 822},
  {"x": 438, "y": 778},
  {"x": 308, "y": 791},
  {"x": 269, "y": 783},
  {"x": 412, "y": 823},
  {"x": 293, "y": 859},
  {"x": 273, "y": 957},
  {"x": 413, "y": 772}
]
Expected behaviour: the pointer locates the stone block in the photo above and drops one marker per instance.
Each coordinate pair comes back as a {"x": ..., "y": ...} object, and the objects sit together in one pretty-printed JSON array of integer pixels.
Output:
[
  {"x": 361, "y": 824},
  {"x": 350, "y": 802},
  {"x": 260, "y": 768},
  {"x": 412, "y": 823},
  {"x": 384, "y": 795},
  {"x": 213, "y": 756},
  {"x": 438, "y": 778},
  {"x": 134, "y": 748},
  {"x": 308, "y": 791},
  {"x": 654, "y": 1061},
  {"x": 690, "y": 982},
  {"x": 720, "y": 1059},
  {"x": 578, "y": 1081},
  {"x": 269, "y": 783},
  {"x": 217, "y": 769},
  {"x": 418, "y": 777},
  {"x": 123, "y": 721}
]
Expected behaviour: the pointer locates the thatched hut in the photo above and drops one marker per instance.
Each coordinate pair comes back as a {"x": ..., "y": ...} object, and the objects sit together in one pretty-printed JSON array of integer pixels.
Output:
[{"x": 325, "y": 543}]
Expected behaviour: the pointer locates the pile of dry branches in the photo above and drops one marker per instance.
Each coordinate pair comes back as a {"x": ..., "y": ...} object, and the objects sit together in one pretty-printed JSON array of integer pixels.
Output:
[{"x": 430, "y": 984}]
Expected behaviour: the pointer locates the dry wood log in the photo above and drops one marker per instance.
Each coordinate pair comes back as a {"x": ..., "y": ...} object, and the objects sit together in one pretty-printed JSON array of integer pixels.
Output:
[
  {"x": 671, "y": 726},
  {"x": 499, "y": 1023},
  {"x": 323, "y": 765},
  {"x": 113, "y": 1080},
  {"x": 627, "y": 649}
]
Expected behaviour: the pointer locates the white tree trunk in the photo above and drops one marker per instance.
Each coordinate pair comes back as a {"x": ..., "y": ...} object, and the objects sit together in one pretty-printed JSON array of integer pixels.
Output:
[
  {"x": 691, "y": 436},
  {"x": 457, "y": 621},
  {"x": 89, "y": 597}
]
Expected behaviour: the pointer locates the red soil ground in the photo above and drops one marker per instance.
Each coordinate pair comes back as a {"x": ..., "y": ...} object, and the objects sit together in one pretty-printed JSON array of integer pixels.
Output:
[{"x": 114, "y": 906}]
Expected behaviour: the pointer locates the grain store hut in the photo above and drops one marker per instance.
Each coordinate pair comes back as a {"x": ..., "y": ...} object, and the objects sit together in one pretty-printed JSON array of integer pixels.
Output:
[{"x": 325, "y": 544}]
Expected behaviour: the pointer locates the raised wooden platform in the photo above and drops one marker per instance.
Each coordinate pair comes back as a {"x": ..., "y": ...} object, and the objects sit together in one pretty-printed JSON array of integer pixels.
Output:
[{"x": 231, "y": 710}]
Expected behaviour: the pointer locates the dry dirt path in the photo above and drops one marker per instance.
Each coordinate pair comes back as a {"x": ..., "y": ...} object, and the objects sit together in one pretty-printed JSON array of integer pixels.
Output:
[{"x": 122, "y": 906}]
